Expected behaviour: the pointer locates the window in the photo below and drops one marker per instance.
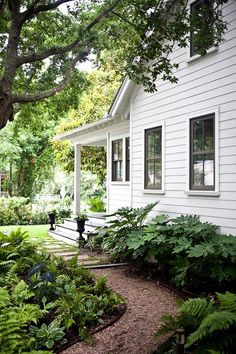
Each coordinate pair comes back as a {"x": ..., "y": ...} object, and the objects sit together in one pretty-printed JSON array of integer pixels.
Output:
[
  {"x": 201, "y": 36},
  {"x": 202, "y": 153},
  {"x": 127, "y": 155},
  {"x": 117, "y": 160},
  {"x": 153, "y": 158}
]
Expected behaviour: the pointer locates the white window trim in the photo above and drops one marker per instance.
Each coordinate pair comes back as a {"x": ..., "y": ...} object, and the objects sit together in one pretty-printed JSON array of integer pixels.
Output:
[
  {"x": 188, "y": 191},
  {"x": 196, "y": 57},
  {"x": 147, "y": 190},
  {"x": 114, "y": 138}
]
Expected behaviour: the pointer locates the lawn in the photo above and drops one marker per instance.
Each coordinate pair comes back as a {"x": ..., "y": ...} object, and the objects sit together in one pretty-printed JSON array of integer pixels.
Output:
[{"x": 35, "y": 231}]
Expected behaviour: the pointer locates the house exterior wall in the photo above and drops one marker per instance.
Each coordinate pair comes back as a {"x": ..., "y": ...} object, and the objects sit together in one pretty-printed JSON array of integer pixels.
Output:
[
  {"x": 206, "y": 84},
  {"x": 118, "y": 193}
]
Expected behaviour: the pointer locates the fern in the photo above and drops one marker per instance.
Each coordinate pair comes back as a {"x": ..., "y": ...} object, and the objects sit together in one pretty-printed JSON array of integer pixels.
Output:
[
  {"x": 216, "y": 321},
  {"x": 197, "y": 307}
]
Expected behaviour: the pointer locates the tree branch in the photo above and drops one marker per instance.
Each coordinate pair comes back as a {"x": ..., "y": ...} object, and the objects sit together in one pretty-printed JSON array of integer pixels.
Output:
[
  {"x": 38, "y": 96},
  {"x": 49, "y": 52},
  {"x": 61, "y": 50},
  {"x": 34, "y": 10}
]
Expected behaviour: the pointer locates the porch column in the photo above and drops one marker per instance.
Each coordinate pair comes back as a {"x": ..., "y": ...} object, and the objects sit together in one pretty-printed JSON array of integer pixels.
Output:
[{"x": 77, "y": 174}]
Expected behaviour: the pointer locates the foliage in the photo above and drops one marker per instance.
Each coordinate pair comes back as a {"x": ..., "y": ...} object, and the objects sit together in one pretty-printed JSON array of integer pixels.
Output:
[
  {"x": 42, "y": 295},
  {"x": 15, "y": 211},
  {"x": 123, "y": 222},
  {"x": 81, "y": 216},
  {"x": 42, "y": 45},
  {"x": 96, "y": 205},
  {"x": 94, "y": 103},
  {"x": 39, "y": 218},
  {"x": 210, "y": 324},
  {"x": 185, "y": 247},
  {"x": 48, "y": 335}
]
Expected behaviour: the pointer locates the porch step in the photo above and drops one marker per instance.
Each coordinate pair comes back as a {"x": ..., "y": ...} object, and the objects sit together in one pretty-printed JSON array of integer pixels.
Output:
[{"x": 67, "y": 232}]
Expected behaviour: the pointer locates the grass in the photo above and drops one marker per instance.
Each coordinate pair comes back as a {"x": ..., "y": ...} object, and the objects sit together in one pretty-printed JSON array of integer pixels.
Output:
[
  {"x": 35, "y": 231},
  {"x": 39, "y": 234}
]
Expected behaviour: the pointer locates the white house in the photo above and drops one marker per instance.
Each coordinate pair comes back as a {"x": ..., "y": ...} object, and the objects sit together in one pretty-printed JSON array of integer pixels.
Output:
[{"x": 177, "y": 145}]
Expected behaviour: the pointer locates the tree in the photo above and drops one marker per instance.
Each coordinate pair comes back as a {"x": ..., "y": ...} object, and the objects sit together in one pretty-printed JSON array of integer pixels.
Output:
[
  {"x": 26, "y": 150},
  {"x": 40, "y": 44},
  {"x": 94, "y": 103}
]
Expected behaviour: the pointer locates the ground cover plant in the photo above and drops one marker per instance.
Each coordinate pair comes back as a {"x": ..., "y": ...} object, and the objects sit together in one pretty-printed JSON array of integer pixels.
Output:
[{"x": 45, "y": 301}]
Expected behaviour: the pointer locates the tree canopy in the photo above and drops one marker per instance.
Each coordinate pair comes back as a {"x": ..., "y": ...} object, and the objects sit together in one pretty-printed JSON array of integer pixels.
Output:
[
  {"x": 94, "y": 103},
  {"x": 41, "y": 45}
]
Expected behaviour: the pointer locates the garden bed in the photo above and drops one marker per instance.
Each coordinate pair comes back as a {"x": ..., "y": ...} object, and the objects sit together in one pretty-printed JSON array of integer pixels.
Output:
[{"x": 47, "y": 303}]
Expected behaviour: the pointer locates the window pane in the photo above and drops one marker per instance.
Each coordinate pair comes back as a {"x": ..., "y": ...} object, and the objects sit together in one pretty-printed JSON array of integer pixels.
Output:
[
  {"x": 209, "y": 170},
  {"x": 157, "y": 173},
  {"x": 150, "y": 173},
  {"x": 208, "y": 134},
  {"x": 198, "y": 163},
  {"x": 153, "y": 143},
  {"x": 198, "y": 135}
]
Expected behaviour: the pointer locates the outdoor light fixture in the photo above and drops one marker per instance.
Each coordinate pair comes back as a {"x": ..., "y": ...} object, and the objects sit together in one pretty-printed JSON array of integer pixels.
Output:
[{"x": 180, "y": 341}]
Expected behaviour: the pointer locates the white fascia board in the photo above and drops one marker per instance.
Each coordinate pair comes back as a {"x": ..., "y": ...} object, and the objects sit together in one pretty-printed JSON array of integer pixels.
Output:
[{"x": 121, "y": 99}]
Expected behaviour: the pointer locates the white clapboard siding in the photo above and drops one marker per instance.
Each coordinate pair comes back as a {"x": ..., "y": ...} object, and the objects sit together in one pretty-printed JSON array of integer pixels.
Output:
[{"x": 205, "y": 84}]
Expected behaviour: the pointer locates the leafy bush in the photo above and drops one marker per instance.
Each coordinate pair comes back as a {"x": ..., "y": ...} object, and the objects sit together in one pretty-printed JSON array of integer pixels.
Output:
[
  {"x": 96, "y": 204},
  {"x": 39, "y": 218},
  {"x": 185, "y": 247},
  {"x": 123, "y": 222},
  {"x": 15, "y": 211},
  {"x": 42, "y": 297},
  {"x": 210, "y": 324}
]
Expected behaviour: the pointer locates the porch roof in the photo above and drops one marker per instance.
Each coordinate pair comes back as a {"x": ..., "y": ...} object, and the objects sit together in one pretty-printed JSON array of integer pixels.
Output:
[{"x": 86, "y": 132}]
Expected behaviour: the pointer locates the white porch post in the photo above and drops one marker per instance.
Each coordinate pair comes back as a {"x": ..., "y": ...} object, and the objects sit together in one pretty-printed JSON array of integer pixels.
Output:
[{"x": 77, "y": 174}]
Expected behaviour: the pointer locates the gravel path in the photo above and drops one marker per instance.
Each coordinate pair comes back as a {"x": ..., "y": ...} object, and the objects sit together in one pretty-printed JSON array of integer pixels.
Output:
[{"x": 134, "y": 332}]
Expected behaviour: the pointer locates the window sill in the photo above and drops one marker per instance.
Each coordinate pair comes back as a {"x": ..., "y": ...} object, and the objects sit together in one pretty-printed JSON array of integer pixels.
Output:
[
  {"x": 113, "y": 183},
  {"x": 198, "y": 56},
  {"x": 203, "y": 193},
  {"x": 153, "y": 191}
]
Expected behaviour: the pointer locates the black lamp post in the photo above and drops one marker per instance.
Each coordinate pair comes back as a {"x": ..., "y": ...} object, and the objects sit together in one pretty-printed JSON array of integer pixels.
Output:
[{"x": 52, "y": 220}]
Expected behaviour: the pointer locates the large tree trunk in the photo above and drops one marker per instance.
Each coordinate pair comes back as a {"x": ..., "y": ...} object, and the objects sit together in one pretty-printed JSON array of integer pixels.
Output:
[{"x": 6, "y": 109}]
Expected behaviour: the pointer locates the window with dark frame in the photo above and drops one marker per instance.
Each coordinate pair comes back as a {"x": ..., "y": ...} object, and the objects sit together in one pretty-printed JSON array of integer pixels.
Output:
[
  {"x": 199, "y": 11},
  {"x": 153, "y": 158},
  {"x": 202, "y": 153},
  {"x": 117, "y": 160},
  {"x": 127, "y": 159}
]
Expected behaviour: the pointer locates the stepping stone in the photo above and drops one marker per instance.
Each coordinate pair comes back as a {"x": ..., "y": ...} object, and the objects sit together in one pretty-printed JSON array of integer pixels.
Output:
[
  {"x": 54, "y": 246},
  {"x": 89, "y": 262},
  {"x": 83, "y": 256},
  {"x": 66, "y": 254}
]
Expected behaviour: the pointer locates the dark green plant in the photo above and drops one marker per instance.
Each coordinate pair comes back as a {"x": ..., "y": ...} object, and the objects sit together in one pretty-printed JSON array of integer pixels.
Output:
[
  {"x": 47, "y": 336},
  {"x": 123, "y": 222},
  {"x": 209, "y": 323},
  {"x": 184, "y": 248}
]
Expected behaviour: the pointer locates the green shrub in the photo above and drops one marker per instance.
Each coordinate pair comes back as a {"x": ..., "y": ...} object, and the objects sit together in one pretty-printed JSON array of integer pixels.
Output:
[
  {"x": 39, "y": 218},
  {"x": 185, "y": 247},
  {"x": 210, "y": 324},
  {"x": 96, "y": 204},
  {"x": 15, "y": 211},
  {"x": 123, "y": 222}
]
